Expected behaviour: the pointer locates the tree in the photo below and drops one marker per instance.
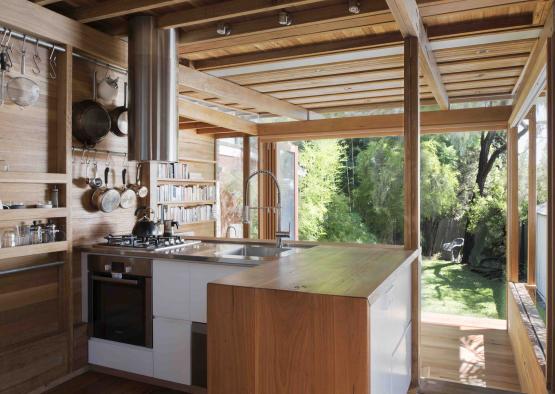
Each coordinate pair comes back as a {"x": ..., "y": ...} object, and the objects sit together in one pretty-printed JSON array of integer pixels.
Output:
[
  {"x": 341, "y": 224},
  {"x": 493, "y": 146},
  {"x": 439, "y": 185},
  {"x": 378, "y": 197},
  {"x": 320, "y": 163}
]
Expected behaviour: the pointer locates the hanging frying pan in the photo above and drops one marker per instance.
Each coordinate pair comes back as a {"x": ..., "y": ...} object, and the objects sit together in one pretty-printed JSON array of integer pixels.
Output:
[
  {"x": 119, "y": 117},
  {"x": 91, "y": 122}
]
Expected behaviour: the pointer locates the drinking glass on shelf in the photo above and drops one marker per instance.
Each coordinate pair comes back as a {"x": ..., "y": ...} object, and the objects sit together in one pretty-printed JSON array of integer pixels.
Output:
[
  {"x": 23, "y": 235},
  {"x": 9, "y": 239}
]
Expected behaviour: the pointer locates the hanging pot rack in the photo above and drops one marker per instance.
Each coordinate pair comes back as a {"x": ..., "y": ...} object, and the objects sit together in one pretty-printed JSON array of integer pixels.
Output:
[{"x": 57, "y": 48}]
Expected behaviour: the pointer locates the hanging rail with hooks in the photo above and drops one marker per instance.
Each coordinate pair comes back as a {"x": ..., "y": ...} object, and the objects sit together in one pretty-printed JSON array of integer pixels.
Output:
[
  {"x": 54, "y": 48},
  {"x": 94, "y": 152}
]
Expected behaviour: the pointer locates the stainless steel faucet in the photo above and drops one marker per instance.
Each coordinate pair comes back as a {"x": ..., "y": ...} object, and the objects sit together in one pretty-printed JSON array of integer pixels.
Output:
[{"x": 277, "y": 209}]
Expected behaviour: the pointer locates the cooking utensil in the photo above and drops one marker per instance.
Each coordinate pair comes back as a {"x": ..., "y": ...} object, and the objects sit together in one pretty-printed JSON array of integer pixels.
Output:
[
  {"x": 95, "y": 182},
  {"x": 141, "y": 191},
  {"x": 127, "y": 196},
  {"x": 108, "y": 88},
  {"x": 22, "y": 90},
  {"x": 3, "y": 69},
  {"x": 118, "y": 117},
  {"x": 105, "y": 198},
  {"x": 91, "y": 122},
  {"x": 144, "y": 227}
]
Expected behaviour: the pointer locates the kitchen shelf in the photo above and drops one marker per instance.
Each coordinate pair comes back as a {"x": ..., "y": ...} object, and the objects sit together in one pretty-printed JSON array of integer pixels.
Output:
[
  {"x": 188, "y": 203},
  {"x": 191, "y": 160},
  {"x": 188, "y": 181},
  {"x": 32, "y": 213},
  {"x": 32, "y": 177},
  {"x": 29, "y": 250},
  {"x": 196, "y": 223}
]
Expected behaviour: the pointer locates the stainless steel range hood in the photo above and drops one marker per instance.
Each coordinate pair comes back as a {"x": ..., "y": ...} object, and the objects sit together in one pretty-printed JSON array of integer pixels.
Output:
[{"x": 153, "y": 113}]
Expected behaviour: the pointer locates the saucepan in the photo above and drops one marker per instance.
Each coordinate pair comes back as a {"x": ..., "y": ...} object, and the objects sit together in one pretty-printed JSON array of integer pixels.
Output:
[{"x": 106, "y": 198}]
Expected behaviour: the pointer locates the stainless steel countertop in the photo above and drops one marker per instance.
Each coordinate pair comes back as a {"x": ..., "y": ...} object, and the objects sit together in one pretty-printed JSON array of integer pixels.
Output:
[{"x": 205, "y": 252}]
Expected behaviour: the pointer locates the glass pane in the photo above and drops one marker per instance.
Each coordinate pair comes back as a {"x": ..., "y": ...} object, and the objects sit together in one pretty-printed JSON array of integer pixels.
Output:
[
  {"x": 286, "y": 174},
  {"x": 230, "y": 177}
]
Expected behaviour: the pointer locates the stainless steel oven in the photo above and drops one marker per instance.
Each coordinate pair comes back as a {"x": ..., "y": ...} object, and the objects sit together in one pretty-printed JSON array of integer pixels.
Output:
[{"x": 120, "y": 299}]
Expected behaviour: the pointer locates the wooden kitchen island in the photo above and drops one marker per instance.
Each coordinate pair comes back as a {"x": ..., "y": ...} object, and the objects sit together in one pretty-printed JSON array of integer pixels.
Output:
[{"x": 333, "y": 319}]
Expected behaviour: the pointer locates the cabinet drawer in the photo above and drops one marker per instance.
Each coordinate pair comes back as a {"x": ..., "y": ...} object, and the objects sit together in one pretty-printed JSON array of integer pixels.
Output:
[
  {"x": 171, "y": 289},
  {"x": 129, "y": 358},
  {"x": 172, "y": 350},
  {"x": 201, "y": 274}
]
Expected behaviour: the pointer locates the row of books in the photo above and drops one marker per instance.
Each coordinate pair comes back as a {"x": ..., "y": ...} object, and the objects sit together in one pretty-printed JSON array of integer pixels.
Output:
[
  {"x": 184, "y": 215},
  {"x": 174, "y": 193},
  {"x": 174, "y": 170}
]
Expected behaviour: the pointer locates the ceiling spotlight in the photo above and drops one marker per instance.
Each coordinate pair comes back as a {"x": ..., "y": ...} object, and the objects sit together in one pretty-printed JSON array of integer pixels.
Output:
[
  {"x": 354, "y": 6},
  {"x": 285, "y": 18},
  {"x": 223, "y": 29}
]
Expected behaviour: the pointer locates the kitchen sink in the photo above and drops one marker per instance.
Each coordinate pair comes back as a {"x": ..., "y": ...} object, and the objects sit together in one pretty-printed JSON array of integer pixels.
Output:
[{"x": 257, "y": 252}]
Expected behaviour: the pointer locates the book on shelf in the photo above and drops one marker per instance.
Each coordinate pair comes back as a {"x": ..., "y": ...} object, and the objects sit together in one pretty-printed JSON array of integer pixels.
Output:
[
  {"x": 173, "y": 171},
  {"x": 188, "y": 215},
  {"x": 177, "y": 193}
]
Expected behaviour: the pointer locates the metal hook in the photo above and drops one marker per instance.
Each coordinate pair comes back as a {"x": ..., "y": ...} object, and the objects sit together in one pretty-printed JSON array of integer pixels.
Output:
[
  {"x": 83, "y": 156},
  {"x": 94, "y": 157},
  {"x": 36, "y": 60},
  {"x": 23, "y": 44},
  {"x": 52, "y": 62},
  {"x": 72, "y": 155}
]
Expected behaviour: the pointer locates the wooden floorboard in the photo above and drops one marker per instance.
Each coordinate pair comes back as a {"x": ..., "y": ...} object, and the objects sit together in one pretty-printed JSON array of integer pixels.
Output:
[
  {"x": 444, "y": 387},
  {"x": 470, "y": 351},
  {"x": 96, "y": 382}
]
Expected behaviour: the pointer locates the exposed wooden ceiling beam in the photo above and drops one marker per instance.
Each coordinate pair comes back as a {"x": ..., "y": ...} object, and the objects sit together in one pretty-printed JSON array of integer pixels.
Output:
[
  {"x": 115, "y": 8},
  {"x": 408, "y": 18},
  {"x": 44, "y": 23},
  {"x": 534, "y": 75},
  {"x": 474, "y": 119},
  {"x": 226, "y": 10},
  {"x": 217, "y": 87},
  {"x": 321, "y": 48},
  {"x": 370, "y": 53},
  {"x": 215, "y": 130},
  {"x": 312, "y": 21},
  {"x": 219, "y": 119}
]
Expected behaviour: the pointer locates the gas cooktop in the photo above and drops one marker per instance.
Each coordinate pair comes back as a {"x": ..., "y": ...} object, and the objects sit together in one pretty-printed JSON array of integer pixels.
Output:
[{"x": 154, "y": 243}]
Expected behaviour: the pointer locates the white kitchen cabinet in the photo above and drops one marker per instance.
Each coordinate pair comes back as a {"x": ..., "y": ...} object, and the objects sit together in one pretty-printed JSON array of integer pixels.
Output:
[
  {"x": 129, "y": 358},
  {"x": 390, "y": 360},
  {"x": 171, "y": 289},
  {"x": 401, "y": 364},
  {"x": 201, "y": 274},
  {"x": 172, "y": 350}
]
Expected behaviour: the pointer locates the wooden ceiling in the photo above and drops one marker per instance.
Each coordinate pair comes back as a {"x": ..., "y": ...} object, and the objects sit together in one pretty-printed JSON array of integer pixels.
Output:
[{"x": 330, "y": 60}]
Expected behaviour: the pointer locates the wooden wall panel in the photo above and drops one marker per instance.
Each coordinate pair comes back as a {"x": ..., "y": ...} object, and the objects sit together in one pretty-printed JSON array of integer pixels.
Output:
[{"x": 530, "y": 374}]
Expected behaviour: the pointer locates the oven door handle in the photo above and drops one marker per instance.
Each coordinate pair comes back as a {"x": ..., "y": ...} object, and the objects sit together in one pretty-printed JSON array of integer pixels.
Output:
[{"x": 115, "y": 280}]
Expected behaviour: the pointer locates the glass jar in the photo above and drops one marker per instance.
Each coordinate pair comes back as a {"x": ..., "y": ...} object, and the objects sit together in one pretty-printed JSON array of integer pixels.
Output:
[
  {"x": 9, "y": 239},
  {"x": 36, "y": 233},
  {"x": 50, "y": 232}
]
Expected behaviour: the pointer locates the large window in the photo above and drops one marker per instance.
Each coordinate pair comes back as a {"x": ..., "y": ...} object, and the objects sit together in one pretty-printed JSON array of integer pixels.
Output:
[{"x": 231, "y": 167}]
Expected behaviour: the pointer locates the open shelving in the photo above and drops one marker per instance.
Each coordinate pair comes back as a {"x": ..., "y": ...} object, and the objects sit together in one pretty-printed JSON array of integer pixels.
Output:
[
  {"x": 32, "y": 214},
  {"x": 188, "y": 203},
  {"x": 30, "y": 250},
  {"x": 170, "y": 181}
]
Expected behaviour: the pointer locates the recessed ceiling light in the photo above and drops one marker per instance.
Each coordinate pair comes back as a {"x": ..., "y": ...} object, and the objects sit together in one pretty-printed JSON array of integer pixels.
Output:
[
  {"x": 354, "y": 6},
  {"x": 285, "y": 18},
  {"x": 223, "y": 29}
]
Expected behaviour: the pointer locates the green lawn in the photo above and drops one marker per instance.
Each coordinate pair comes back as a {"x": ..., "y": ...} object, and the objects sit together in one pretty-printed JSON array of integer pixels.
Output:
[{"x": 452, "y": 288}]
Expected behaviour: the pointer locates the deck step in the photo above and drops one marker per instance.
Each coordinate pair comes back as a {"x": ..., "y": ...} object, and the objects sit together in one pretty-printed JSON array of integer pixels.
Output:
[{"x": 435, "y": 386}]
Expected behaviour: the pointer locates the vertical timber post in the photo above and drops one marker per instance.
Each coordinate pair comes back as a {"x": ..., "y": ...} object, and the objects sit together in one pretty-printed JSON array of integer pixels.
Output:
[{"x": 412, "y": 187}]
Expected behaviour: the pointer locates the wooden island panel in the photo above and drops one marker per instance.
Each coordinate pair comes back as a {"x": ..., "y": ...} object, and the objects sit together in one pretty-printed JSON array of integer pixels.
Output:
[{"x": 262, "y": 341}]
